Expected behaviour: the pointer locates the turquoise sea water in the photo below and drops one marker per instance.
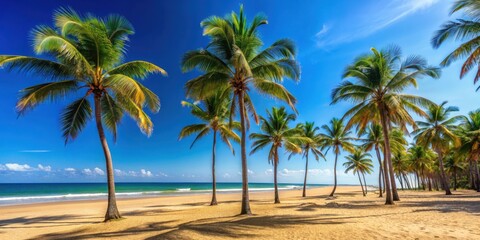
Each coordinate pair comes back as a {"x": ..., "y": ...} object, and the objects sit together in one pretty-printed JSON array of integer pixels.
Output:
[{"x": 22, "y": 193}]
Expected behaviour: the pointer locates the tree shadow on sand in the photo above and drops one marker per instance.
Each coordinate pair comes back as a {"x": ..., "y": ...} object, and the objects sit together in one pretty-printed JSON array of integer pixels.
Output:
[
  {"x": 47, "y": 221},
  {"x": 227, "y": 227}
]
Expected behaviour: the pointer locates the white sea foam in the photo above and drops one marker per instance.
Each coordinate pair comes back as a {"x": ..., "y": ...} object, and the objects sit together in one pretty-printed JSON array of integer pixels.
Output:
[{"x": 183, "y": 189}]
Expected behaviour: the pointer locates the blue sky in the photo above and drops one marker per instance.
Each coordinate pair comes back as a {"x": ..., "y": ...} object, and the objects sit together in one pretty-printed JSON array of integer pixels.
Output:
[{"x": 329, "y": 35}]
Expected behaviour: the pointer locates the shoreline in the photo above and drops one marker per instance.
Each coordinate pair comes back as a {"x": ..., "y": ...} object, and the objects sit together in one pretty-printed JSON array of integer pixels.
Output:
[
  {"x": 419, "y": 214},
  {"x": 85, "y": 196},
  {"x": 159, "y": 196}
]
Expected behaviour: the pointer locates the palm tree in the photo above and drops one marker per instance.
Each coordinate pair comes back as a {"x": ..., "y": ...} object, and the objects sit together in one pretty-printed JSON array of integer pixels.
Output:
[
  {"x": 314, "y": 145},
  {"x": 453, "y": 164},
  {"x": 437, "y": 131},
  {"x": 234, "y": 59},
  {"x": 374, "y": 139},
  {"x": 337, "y": 137},
  {"x": 359, "y": 162},
  {"x": 400, "y": 166},
  {"x": 421, "y": 161},
  {"x": 87, "y": 55},
  {"x": 381, "y": 77},
  {"x": 277, "y": 133},
  {"x": 214, "y": 114},
  {"x": 469, "y": 133},
  {"x": 465, "y": 30}
]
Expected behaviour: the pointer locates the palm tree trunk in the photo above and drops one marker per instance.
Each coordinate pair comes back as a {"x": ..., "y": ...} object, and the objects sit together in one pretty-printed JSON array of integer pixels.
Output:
[
  {"x": 406, "y": 181},
  {"x": 245, "y": 197},
  {"x": 454, "y": 179},
  {"x": 477, "y": 175},
  {"x": 365, "y": 183},
  {"x": 275, "y": 183},
  {"x": 112, "y": 210},
  {"x": 334, "y": 176},
  {"x": 361, "y": 185},
  {"x": 423, "y": 180},
  {"x": 386, "y": 156},
  {"x": 380, "y": 172},
  {"x": 214, "y": 181},
  {"x": 304, "y": 194},
  {"x": 443, "y": 176},
  {"x": 399, "y": 176},
  {"x": 390, "y": 165},
  {"x": 418, "y": 180},
  {"x": 429, "y": 184},
  {"x": 471, "y": 174}
]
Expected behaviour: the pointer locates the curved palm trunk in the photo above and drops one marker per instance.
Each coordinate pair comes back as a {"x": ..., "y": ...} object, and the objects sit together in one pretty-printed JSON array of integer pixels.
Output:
[
  {"x": 365, "y": 183},
  {"x": 361, "y": 185},
  {"x": 304, "y": 194},
  {"x": 245, "y": 197},
  {"x": 386, "y": 157},
  {"x": 112, "y": 210},
  {"x": 275, "y": 182},
  {"x": 380, "y": 173},
  {"x": 443, "y": 176},
  {"x": 334, "y": 176},
  {"x": 214, "y": 181}
]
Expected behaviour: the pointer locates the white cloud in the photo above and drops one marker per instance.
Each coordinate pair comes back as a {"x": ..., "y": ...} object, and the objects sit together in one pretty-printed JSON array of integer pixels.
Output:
[
  {"x": 381, "y": 15},
  {"x": 146, "y": 173},
  {"x": 326, "y": 172},
  {"x": 98, "y": 171},
  {"x": 161, "y": 174},
  {"x": 269, "y": 172},
  {"x": 70, "y": 169},
  {"x": 250, "y": 172},
  {"x": 44, "y": 168},
  {"x": 226, "y": 175},
  {"x": 87, "y": 171},
  {"x": 120, "y": 173},
  {"x": 18, "y": 167}
]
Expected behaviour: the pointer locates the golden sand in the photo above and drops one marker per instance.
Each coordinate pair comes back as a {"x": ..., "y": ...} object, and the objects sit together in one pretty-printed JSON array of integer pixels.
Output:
[{"x": 420, "y": 215}]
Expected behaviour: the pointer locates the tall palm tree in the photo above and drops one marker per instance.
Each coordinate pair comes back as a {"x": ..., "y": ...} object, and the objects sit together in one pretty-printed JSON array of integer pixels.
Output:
[
  {"x": 381, "y": 77},
  {"x": 360, "y": 163},
  {"x": 465, "y": 30},
  {"x": 215, "y": 115},
  {"x": 314, "y": 145},
  {"x": 338, "y": 138},
  {"x": 87, "y": 58},
  {"x": 277, "y": 134},
  {"x": 469, "y": 133},
  {"x": 437, "y": 131},
  {"x": 234, "y": 59}
]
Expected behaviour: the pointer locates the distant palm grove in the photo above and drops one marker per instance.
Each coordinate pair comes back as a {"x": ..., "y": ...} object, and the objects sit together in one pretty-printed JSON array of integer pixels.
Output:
[{"x": 418, "y": 144}]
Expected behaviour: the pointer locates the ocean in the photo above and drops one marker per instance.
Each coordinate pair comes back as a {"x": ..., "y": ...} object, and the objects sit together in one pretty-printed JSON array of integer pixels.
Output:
[{"x": 24, "y": 193}]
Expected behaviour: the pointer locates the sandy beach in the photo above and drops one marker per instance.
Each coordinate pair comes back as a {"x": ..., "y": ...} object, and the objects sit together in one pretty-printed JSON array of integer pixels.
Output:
[{"x": 420, "y": 215}]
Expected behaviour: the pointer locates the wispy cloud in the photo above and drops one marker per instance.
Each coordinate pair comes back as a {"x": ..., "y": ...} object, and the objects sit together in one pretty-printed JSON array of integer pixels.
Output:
[
  {"x": 35, "y": 151},
  {"x": 379, "y": 16}
]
